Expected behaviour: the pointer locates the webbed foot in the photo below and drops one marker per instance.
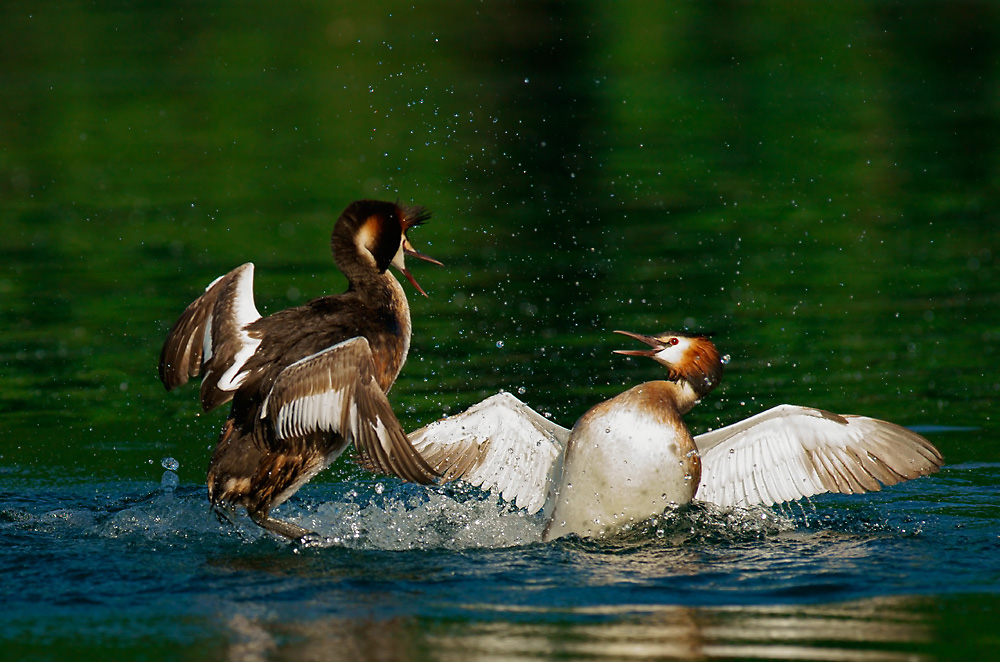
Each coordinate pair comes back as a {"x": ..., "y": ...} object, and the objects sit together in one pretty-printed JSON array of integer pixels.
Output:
[{"x": 280, "y": 527}]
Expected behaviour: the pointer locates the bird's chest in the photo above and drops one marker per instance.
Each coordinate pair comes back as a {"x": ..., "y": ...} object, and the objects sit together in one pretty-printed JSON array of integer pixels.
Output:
[
  {"x": 389, "y": 350},
  {"x": 623, "y": 465}
]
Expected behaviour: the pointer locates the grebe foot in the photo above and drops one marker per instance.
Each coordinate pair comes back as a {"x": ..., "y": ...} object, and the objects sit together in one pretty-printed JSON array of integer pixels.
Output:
[
  {"x": 281, "y": 527},
  {"x": 226, "y": 514}
]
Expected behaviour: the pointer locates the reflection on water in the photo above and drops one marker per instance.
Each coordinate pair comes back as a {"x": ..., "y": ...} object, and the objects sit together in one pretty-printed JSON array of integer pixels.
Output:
[
  {"x": 334, "y": 639},
  {"x": 883, "y": 629}
]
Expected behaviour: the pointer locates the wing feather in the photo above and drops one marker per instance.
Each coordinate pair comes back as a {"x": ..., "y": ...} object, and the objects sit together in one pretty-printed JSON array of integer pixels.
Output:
[
  {"x": 771, "y": 479},
  {"x": 499, "y": 444},
  {"x": 335, "y": 391},
  {"x": 211, "y": 336},
  {"x": 791, "y": 452}
]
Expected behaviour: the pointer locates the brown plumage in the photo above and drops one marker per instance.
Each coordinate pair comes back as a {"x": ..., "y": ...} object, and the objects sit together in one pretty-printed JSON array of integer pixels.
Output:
[{"x": 306, "y": 381}]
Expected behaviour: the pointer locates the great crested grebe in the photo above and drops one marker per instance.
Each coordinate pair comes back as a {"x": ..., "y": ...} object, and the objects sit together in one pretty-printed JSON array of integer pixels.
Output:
[
  {"x": 306, "y": 381},
  {"x": 632, "y": 457}
]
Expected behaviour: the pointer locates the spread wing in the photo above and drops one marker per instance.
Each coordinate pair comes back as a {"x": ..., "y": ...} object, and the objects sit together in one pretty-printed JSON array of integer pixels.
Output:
[
  {"x": 335, "y": 391},
  {"x": 790, "y": 452},
  {"x": 211, "y": 335},
  {"x": 500, "y": 444}
]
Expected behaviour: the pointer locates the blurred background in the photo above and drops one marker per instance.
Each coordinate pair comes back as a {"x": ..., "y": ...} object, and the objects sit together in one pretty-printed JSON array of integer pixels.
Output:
[{"x": 814, "y": 182}]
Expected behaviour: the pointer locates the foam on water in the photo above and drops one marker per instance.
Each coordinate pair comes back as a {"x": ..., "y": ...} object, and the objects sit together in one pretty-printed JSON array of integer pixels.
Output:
[
  {"x": 391, "y": 515},
  {"x": 458, "y": 516},
  {"x": 422, "y": 519},
  {"x": 165, "y": 518}
]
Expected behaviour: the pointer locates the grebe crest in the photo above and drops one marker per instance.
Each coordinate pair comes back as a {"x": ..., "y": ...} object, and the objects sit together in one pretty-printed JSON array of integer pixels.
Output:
[{"x": 688, "y": 357}]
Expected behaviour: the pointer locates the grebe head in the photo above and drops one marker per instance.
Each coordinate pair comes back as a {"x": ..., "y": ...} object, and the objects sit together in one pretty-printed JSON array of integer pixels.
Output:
[
  {"x": 690, "y": 357},
  {"x": 375, "y": 232}
]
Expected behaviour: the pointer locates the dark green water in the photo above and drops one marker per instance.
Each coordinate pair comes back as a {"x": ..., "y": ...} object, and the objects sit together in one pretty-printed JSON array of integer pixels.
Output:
[{"x": 818, "y": 184}]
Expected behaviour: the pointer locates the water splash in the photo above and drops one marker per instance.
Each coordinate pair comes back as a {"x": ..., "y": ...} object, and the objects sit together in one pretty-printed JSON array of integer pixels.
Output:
[
  {"x": 169, "y": 482},
  {"x": 701, "y": 522},
  {"x": 391, "y": 515},
  {"x": 174, "y": 515},
  {"x": 452, "y": 517}
]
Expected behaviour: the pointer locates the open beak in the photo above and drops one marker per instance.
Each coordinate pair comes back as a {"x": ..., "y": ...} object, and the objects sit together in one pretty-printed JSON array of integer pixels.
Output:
[
  {"x": 408, "y": 249},
  {"x": 656, "y": 345}
]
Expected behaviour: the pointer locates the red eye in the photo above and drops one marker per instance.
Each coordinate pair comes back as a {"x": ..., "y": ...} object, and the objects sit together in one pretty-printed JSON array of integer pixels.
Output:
[{"x": 674, "y": 341}]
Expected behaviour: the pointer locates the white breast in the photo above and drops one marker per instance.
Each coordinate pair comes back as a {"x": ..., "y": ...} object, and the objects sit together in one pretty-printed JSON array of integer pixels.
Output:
[{"x": 622, "y": 465}]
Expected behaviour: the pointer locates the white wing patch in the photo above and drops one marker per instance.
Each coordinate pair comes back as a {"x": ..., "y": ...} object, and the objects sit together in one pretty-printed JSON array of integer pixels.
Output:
[
  {"x": 501, "y": 445},
  {"x": 322, "y": 411},
  {"x": 790, "y": 452},
  {"x": 335, "y": 391},
  {"x": 311, "y": 397},
  {"x": 241, "y": 311},
  {"x": 206, "y": 341},
  {"x": 382, "y": 435},
  {"x": 210, "y": 338}
]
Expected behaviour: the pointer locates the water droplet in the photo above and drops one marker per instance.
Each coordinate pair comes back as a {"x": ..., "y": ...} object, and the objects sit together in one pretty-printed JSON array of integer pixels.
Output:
[
  {"x": 379, "y": 488},
  {"x": 169, "y": 481},
  {"x": 170, "y": 464},
  {"x": 725, "y": 359},
  {"x": 499, "y": 344},
  {"x": 521, "y": 390}
]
